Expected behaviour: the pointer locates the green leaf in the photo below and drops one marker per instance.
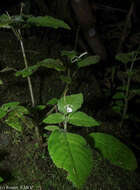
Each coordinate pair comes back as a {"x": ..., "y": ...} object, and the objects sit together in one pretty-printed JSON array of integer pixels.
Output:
[
  {"x": 49, "y": 63},
  {"x": 119, "y": 95},
  {"x": 1, "y": 82},
  {"x": 1, "y": 179},
  {"x": 21, "y": 110},
  {"x": 114, "y": 150},
  {"x": 5, "y": 21},
  {"x": 40, "y": 107},
  {"x": 5, "y": 108},
  {"x": 47, "y": 21},
  {"x": 15, "y": 118},
  {"x": 10, "y": 105},
  {"x": 69, "y": 104},
  {"x": 82, "y": 119},
  {"x": 2, "y": 113},
  {"x": 27, "y": 71},
  {"x": 54, "y": 118},
  {"x": 16, "y": 21},
  {"x": 53, "y": 101},
  {"x": 14, "y": 121},
  {"x": 51, "y": 127},
  {"x": 69, "y": 54},
  {"x": 52, "y": 64},
  {"x": 71, "y": 152},
  {"x": 88, "y": 61}
]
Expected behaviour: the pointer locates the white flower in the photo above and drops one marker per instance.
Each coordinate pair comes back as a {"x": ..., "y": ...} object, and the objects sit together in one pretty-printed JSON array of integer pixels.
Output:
[{"x": 68, "y": 108}]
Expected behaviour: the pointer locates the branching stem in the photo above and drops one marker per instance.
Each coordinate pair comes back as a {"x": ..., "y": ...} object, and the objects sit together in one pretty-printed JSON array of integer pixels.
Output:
[{"x": 127, "y": 91}]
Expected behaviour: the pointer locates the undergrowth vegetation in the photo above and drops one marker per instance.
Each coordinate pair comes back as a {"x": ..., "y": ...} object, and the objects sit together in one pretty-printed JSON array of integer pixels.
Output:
[{"x": 69, "y": 151}]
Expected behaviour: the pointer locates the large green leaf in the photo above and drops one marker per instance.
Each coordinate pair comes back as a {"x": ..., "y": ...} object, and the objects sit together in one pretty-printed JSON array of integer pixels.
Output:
[
  {"x": 47, "y": 21},
  {"x": 88, "y": 61},
  {"x": 82, "y": 119},
  {"x": 54, "y": 118},
  {"x": 49, "y": 63},
  {"x": 69, "y": 104},
  {"x": 28, "y": 20},
  {"x": 114, "y": 150},
  {"x": 71, "y": 152}
]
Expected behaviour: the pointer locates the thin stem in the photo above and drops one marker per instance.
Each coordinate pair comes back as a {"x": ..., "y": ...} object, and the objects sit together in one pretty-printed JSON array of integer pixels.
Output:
[
  {"x": 65, "y": 126},
  {"x": 19, "y": 37},
  {"x": 26, "y": 66},
  {"x": 127, "y": 92},
  {"x": 65, "y": 123}
]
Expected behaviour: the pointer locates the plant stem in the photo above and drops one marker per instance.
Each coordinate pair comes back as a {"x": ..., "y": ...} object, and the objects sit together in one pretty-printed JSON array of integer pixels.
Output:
[
  {"x": 19, "y": 37},
  {"x": 26, "y": 66},
  {"x": 65, "y": 123},
  {"x": 127, "y": 92}
]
